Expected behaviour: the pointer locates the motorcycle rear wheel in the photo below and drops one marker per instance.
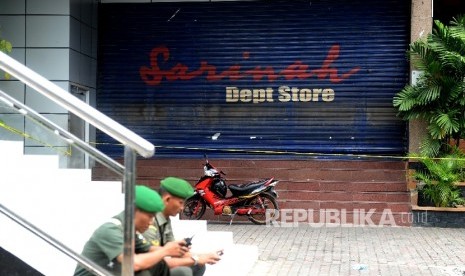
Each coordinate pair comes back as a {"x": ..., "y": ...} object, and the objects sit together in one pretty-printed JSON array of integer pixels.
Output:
[
  {"x": 194, "y": 208},
  {"x": 268, "y": 203}
]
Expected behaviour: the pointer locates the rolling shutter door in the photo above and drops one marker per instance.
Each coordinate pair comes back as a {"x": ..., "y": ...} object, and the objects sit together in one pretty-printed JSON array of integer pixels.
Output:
[{"x": 255, "y": 77}]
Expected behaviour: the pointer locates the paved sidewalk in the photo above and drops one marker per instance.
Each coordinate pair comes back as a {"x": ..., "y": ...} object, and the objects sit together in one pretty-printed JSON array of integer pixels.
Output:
[{"x": 340, "y": 250}]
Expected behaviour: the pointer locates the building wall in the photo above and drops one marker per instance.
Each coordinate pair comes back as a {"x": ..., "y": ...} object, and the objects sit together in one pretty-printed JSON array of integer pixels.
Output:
[
  {"x": 57, "y": 39},
  {"x": 342, "y": 81},
  {"x": 421, "y": 26}
]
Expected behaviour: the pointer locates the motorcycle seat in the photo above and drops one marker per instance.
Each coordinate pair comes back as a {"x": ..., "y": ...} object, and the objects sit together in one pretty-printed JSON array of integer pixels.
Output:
[{"x": 243, "y": 189}]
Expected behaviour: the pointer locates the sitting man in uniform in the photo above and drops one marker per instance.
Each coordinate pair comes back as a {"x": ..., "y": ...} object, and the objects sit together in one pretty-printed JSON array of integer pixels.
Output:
[
  {"x": 174, "y": 191},
  {"x": 105, "y": 246}
]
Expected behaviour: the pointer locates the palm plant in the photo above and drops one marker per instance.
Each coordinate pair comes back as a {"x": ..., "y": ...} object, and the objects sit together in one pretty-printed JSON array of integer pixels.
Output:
[
  {"x": 438, "y": 97},
  {"x": 440, "y": 176}
]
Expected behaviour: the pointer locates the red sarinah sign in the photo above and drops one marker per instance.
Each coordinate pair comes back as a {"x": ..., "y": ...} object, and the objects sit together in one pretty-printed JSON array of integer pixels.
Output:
[{"x": 154, "y": 75}]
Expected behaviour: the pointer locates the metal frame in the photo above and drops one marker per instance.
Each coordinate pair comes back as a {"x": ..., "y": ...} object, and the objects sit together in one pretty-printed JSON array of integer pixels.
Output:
[
  {"x": 71, "y": 103},
  {"x": 70, "y": 138},
  {"x": 85, "y": 262},
  {"x": 133, "y": 144}
]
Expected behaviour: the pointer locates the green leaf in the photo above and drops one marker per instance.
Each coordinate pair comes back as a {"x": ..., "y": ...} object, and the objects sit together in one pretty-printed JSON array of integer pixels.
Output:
[
  {"x": 438, "y": 96},
  {"x": 405, "y": 99},
  {"x": 5, "y": 46},
  {"x": 430, "y": 147},
  {"x": 447, "y": 123},
  {"x": 429, "y": 94}
]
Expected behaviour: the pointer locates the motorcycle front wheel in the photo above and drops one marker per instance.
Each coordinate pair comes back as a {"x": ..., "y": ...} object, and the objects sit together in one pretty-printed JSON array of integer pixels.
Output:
[
  {"x": 194, "y": 207},
  {"x": 267, "y": 202}
]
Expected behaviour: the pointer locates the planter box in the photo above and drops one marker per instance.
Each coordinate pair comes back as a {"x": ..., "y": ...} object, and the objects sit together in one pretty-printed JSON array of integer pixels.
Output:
[
  {"x": 438, "y": 217},
  {"x": 429, "y": 216}
]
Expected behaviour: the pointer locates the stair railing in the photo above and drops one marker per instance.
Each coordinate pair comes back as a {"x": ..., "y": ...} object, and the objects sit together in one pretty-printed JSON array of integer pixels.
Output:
[
  {"x": 132, "y": 142},
  {"x": 84, "y": 261},
  {"x": 64, "y": 134}
]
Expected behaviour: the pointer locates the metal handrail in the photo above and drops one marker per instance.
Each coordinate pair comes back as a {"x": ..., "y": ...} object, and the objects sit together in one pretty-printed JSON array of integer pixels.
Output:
[
  {"x": 70, "y": 138},
  {"x": 88, "y": 264},
  {"x": 129, "y": 229},
  {"x": 132, "y": 142},
  {"x": 73, "y": 104}
]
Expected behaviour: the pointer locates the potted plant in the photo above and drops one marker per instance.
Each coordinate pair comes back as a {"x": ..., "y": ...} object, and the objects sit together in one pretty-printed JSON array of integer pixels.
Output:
[
  {"x": 438, "y": 97},
  {"x": 438, "y": 180}
]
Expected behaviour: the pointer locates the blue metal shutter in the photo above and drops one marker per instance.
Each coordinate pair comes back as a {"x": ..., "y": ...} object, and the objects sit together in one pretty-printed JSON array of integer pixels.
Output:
[{"x": 256, "y": 77}]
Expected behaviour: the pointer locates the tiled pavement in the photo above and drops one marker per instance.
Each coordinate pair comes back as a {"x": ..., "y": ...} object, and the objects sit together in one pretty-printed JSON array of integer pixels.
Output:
[{"x": 344, "y": 250}]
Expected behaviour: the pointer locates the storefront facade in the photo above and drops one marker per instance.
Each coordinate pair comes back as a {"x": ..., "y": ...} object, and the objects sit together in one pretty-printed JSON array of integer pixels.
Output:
[
  {"x": 265, "y": 79},
  {"x": 298, "y": 90}
]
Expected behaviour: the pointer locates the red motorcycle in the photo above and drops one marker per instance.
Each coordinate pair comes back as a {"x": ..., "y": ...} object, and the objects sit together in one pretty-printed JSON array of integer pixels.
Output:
[{"x": 251, "y": 199}]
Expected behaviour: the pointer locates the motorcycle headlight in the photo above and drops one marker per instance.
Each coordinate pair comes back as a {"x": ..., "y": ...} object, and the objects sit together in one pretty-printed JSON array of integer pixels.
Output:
[{"x": 210, "y": 172}]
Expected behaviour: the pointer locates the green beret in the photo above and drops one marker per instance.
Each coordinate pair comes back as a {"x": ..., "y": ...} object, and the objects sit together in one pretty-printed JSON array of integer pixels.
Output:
[
  {"x": 177, "y": 187},
  {"x": 148, "y": 200}
]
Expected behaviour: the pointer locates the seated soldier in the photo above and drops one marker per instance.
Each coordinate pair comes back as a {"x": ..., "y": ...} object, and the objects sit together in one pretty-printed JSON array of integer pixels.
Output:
[
  {"x": 173, "y": 192},
  {"x": 105, "y": 246}
]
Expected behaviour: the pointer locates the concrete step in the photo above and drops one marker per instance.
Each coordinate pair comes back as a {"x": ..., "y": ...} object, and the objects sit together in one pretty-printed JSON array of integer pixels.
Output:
[
  {"x": 64, "y": 203},
  {"x": 65, "y": 212},
  {"x": 212, "y": 241},
  {"x": 288, "y": 171},
  {"x": 240, "y": 171},
  {"x": 186, "y": 228},
  {"x": 67, "y": 205},
  {"x": 36, "y": 162},
  {"x": 11, "y": 148},
  {"x": 12, "y": 153},
  {"x": 238, "y": 259},
  {"x": 32, "y": 250},
  {"x": 304, "y": 184},
  {"x": 353, "y": 186},
  {"x": 325, "y": 196}
]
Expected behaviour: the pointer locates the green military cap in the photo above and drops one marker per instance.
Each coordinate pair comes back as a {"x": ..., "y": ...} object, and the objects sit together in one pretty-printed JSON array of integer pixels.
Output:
[
  {"x": 148, "y": 200},
  {"x": 177, "y": 187}
]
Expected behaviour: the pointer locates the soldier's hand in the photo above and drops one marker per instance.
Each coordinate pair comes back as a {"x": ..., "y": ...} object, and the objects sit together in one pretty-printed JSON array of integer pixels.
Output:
[
  {"x": 176, "y": 248},
  {"x": 209, "y": 258}
]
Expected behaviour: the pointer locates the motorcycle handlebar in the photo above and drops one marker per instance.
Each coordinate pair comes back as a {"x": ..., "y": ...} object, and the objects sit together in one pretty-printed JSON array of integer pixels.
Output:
[{"x": 209, "y": 166}]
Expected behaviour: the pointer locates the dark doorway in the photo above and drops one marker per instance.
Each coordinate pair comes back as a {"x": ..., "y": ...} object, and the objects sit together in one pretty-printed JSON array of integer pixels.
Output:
[
  {"x": 79, "y": 128},
  {"x": 445, "y": 10},
  {"x": 13, "y": 266}
]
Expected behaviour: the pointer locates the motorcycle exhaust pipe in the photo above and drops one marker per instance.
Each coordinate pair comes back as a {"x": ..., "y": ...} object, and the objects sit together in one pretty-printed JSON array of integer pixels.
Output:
[{"x": 249, "y": 211}]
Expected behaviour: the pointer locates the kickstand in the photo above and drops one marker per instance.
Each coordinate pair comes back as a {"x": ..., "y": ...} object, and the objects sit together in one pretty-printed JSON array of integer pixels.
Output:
[{"x": 232, "y": 217}]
